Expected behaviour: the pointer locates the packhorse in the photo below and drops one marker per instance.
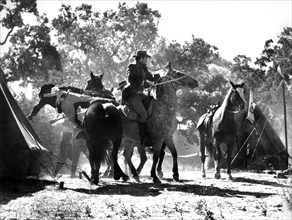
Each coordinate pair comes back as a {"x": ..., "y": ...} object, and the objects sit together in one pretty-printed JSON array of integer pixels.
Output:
[
  {"x": 68, "y": 103},
  {"x": 161, "y": 123},
  {"x": 221, "y": 128},
  {"x": 70, "y": 147}
]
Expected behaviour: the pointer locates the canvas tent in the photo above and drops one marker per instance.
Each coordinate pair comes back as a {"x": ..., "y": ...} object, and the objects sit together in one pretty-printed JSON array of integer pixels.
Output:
[
  {"x": 265, "y": 148},
  {"x": 20, "y": 147}
]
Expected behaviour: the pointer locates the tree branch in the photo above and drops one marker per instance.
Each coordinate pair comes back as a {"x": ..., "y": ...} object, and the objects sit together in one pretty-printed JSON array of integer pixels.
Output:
[{"x": 6, "y": 38}]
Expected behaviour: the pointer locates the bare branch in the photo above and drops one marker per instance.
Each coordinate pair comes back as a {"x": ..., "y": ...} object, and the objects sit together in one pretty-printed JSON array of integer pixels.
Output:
[{"x": 6, "y": 38}]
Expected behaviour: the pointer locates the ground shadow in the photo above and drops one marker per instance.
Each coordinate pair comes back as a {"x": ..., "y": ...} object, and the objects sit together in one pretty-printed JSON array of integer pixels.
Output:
[
  {"x": 11, "y": 189},
  {"x": 151, "y": 189},
  {"x": 260, "y": 182}
]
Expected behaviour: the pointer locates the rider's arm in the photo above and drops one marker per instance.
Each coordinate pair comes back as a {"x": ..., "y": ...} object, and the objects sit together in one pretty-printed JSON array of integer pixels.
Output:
[{"x": 150, "y": 77}]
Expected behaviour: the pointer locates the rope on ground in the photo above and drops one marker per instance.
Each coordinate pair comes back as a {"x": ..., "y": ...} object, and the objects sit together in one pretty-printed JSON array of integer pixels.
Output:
[{"x": 182, "y": 156}]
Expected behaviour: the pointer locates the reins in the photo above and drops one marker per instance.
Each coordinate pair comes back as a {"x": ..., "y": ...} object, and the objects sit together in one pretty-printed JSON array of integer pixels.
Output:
[{"x": 170, "y": 81}]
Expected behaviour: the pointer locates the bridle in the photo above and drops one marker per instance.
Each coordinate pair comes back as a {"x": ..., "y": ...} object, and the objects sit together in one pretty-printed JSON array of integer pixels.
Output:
[{"x": 235, "y": 111}]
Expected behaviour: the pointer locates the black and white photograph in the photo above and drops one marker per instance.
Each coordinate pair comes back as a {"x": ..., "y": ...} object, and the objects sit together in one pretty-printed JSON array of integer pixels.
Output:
[{"x": 151, "y": 109}]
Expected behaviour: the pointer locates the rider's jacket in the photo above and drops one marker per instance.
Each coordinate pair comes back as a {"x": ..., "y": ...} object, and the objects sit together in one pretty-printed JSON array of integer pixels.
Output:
[{"x": 137, "y": 76}]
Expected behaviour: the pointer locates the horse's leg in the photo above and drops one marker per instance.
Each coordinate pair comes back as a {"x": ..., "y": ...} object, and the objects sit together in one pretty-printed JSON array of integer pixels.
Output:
[
  {"x": 76, "y": 151},
  {"x": 62, "y": 157},
  {"x": 91, "y": 158},
  {"x": 217, "y": 158},
  {"x": 92, "y": 164},
  {"x": 203, "y": 155},
  {"x": 128, "y": 152},
  {"x": 229, "y": 158},
  {"x": 156, "y": 152},
  {"x": 143, "y": 158},
  {"x": 122, "y": 148},
  {"x": 171, "y": 147},
  {"x": 161, "y": 157},
  {"x": 95, "y": 172},
  {"x": 118, "y": 173}
]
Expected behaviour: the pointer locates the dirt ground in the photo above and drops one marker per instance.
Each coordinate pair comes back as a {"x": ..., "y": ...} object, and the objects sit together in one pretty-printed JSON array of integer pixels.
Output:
[{"x": 249, "y": 196}]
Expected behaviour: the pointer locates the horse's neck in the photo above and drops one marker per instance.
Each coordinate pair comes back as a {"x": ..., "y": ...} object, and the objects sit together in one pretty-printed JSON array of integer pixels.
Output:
[
  {"x": 166, "y": 94},
  {"x": 227, "y": 105}
]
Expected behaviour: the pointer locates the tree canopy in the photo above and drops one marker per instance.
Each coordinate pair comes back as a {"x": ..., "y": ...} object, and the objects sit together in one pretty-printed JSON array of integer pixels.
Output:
[{"x": 79, "y": 40}]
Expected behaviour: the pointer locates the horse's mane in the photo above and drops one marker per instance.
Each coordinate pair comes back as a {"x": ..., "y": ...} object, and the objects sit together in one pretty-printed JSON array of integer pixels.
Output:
[
  {"x": 225, "y": 101},
  {"x": 71, "y": 89}
]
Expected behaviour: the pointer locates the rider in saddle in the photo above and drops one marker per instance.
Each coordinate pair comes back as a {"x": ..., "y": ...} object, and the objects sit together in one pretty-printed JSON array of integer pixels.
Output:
[{"x": 133, "y": 94}]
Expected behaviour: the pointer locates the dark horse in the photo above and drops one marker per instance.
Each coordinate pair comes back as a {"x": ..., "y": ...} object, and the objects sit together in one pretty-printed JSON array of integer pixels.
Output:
[
  {"x": 161, "y": 123},
  {"x": 221, "y": 128},
  {"x": 70, "y": 147},
  {"x": 103, "y": 128},
  {"x": 68, "y": 103}
]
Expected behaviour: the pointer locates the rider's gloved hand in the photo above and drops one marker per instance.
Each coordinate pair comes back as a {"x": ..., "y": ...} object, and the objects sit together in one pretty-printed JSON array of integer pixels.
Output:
[{"x": 151, "y": 84}]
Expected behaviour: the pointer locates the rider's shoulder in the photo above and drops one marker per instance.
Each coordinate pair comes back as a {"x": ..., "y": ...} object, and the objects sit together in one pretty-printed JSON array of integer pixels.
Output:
[{"x": 132, "y": 67}]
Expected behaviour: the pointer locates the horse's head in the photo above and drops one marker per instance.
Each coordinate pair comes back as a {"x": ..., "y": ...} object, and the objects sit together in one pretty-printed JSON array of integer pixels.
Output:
[
  {"x": 95, "y": 83},
  {"x": 47, "y": 88},
  {"x": 237, "y": 95},
  {"x": 180, "y": 80}
]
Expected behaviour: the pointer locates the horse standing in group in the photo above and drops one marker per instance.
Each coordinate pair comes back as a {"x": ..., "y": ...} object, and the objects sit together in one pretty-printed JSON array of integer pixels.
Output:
[
  {"x": 74, "y": 147},
  {"x": 62, "y": 100},
  {"x": 161, "y": 123},
  {"x": 221, "y": 128}
]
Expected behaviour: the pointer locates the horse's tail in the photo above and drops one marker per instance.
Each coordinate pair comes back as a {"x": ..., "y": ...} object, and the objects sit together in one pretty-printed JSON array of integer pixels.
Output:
[{"x": 94, "y": 122}]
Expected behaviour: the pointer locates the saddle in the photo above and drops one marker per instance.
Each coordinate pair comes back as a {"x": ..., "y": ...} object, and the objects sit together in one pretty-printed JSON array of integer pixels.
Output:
[
  {"x": 207, "y": 119},
  {"x": 129, "y": 112},
  {"x": 131, "y": 116}
]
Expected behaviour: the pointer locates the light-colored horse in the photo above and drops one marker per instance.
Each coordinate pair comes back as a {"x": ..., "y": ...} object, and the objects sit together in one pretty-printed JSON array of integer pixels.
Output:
[
  {"x": 221, "y": 129},
  {"x": 161, "y": 123}
]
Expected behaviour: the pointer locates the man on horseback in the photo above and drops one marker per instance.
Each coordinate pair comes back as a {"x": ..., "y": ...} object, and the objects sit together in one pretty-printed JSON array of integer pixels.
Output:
[{"x": 133, "y": 94}]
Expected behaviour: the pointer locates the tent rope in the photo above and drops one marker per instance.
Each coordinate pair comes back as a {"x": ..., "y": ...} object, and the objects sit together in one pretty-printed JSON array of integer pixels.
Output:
[{"x": 54, "y": 157}]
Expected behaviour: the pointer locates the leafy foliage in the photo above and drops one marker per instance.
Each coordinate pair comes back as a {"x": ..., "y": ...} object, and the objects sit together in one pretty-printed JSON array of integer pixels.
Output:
[
  {"x": 14, "y": 10},
  {"x": 105, "y": 42}
]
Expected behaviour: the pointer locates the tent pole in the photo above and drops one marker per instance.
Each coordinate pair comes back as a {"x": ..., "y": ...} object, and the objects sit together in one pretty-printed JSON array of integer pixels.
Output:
[{"x": 285, "y": 119}]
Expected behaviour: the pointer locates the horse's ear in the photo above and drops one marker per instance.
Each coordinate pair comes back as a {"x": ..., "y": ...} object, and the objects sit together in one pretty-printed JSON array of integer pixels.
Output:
[
  {"x": 91, "y": 74},
  {"x": 168, "y": 66},
  {"x": 101, "y": 75},
  {"x": 231, "y": 83}
]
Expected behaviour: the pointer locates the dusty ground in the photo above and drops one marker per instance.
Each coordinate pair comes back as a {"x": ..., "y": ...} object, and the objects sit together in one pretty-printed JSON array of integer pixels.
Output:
[{"x": 249, "y": 196}]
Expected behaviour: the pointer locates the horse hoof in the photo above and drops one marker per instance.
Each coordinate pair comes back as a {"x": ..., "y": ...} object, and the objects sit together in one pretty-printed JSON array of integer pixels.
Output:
[
  {"x": 95, "y": 181},
  {"x": 156, "y": 181},
  {"x": 126, "y": 178},
  {"x": 230, "y": 177},
  {"x": 176, "y": 178},
  {"x": 117, "y": 177},
  {"x": 204, "y": 175},
  {"x": 217, "y": 176},
  {"x": 137, "y": 179}
]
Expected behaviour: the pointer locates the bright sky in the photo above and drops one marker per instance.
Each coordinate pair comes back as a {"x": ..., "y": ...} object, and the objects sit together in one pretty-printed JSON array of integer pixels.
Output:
[{"x": 235, "y": 27}]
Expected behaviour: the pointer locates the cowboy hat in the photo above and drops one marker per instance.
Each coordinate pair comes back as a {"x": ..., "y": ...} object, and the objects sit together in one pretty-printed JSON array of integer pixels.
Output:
[{"x": 142, "y": 53}]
